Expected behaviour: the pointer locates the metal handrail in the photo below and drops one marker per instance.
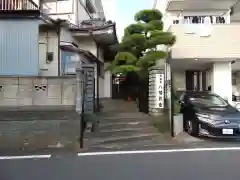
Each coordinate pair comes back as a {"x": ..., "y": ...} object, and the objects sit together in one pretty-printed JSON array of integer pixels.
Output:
[{"x": 16, "y": 5}]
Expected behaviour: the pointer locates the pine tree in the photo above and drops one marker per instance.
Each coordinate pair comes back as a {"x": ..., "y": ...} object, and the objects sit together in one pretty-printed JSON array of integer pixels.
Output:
[{"x": 138, "y": 50}]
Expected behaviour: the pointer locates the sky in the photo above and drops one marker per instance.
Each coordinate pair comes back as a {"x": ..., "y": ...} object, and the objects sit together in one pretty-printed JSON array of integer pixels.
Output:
[{"x": 122, "y": 12}]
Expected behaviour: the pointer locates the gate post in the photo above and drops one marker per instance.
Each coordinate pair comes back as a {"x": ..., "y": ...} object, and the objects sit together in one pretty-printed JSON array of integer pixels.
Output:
[
  {"x": 156, "y": 97},
  {"x": 79, "y": 89}
]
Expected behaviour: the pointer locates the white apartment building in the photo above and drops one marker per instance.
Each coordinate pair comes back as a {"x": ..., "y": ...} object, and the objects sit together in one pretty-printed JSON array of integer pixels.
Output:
[{"x": 206, "y": 55}]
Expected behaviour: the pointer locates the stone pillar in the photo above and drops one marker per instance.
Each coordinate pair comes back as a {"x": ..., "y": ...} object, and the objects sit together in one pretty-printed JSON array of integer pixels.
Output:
[
  {"x": 222, "y": 80},
  {"x": 201, "y": 81},
  {"x": 156, "y": 98},
  {"x": 79, "y": 89}
]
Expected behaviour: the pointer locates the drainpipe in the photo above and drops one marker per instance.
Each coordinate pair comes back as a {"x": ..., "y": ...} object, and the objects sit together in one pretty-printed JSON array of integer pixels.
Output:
[
  {"x": 172, "y": 107},
  {"x": 58, "y": 42},
  {"x": 98, "y": 73}
]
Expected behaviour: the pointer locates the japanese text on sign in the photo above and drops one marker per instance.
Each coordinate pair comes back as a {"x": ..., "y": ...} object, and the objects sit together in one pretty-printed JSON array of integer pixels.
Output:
[{"x": 159, "y": 90}]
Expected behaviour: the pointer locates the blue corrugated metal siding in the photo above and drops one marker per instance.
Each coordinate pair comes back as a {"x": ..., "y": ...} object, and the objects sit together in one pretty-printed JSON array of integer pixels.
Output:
[{"x": 19, "y": 47}]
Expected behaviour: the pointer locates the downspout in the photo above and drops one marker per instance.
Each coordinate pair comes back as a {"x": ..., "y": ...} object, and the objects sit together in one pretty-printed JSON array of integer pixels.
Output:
[
  {"x": 98, "y": 73},
  {"x": 76, "y": 11},
  {"x": 58, "y": 42}
]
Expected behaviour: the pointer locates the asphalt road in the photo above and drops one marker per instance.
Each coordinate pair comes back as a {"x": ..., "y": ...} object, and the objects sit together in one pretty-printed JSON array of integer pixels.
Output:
[{"x": 207, "y": 165}]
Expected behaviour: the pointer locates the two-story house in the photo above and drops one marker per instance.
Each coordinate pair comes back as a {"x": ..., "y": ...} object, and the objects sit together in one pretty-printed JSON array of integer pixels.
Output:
[
  {"x": 207, "y": 51},
  {"x": 48, "y": 37}
]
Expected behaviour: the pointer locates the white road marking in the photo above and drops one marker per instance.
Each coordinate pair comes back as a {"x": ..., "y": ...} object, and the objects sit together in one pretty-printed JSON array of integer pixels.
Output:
[
  {"x": 25, "y": 157},
  {"x": 159, "y": 151},
  {"x": 47, "y": 156},
  {"x": 134, "y": 123}
]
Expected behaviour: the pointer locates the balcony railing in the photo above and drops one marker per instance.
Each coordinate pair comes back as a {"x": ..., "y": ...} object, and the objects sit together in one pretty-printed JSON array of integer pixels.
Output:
[{"x": 17, "y": 5}]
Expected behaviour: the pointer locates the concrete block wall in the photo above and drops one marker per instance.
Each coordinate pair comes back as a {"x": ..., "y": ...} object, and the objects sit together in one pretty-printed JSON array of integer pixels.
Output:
[
  {"x": 37, "y": 91},
  {"x": 38, "y": 113}
]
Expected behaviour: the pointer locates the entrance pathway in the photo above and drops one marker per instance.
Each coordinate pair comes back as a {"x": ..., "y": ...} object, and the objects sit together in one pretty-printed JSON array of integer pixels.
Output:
[{"x": 122, "y": 127}]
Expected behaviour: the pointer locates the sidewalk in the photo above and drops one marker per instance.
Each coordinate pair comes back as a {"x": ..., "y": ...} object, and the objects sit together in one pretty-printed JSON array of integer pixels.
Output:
[{"x": 29, "y": 131}]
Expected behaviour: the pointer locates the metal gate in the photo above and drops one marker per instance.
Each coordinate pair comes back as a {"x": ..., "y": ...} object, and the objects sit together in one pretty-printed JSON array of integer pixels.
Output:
[
  {"x": 89, "y": 103},
  {"x": 143, "y": 91}
]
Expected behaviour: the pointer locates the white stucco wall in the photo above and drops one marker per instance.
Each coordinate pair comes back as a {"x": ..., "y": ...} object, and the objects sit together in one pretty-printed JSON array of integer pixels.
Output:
[
  {"x": 48, "y": 42},
  {"x": 222, "y": 80},
  {"x": 66, "y": 36},
  {"x": 107, "y": 83},
  {"x": 88, "y": 44},
  {"x": 179, "y": 80},
  {"x": 80, "y": 12}
]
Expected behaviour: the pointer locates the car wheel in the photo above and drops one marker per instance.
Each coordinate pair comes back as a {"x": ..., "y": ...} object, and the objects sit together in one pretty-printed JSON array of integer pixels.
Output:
[{"x": 192, "y": 128}]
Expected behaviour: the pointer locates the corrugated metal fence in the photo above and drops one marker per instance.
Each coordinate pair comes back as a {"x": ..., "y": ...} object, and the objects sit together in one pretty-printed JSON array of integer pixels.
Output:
[{"x": 19, "y": 47}]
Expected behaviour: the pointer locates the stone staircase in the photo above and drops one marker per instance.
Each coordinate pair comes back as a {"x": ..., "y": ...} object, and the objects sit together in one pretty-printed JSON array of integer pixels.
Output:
[{"x": 122, "y": 127}]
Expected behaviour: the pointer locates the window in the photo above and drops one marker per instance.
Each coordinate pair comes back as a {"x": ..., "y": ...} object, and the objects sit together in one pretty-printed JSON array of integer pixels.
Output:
[
  {"x": 68, "y": 62},
  {"x": 208, "y": 100}
]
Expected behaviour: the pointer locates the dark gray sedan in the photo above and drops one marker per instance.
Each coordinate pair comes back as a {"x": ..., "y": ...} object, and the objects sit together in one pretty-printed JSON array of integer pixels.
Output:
[{"x": 209, "y": 115}]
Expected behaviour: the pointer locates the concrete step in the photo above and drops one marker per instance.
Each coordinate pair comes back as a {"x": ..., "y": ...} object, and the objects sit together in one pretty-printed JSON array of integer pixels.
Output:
[
  {"x": 123, "y": 114},
  {"x": 124, "y": 120},
  {"x": 134, "y": 143},
  {"x": 122, "y": 138},
  {"x": 120, "y": 132},
  {"x": 139, "y": 145},
  {"x": 112, "y": 105},
  {"x": 123, "y": 125}
]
